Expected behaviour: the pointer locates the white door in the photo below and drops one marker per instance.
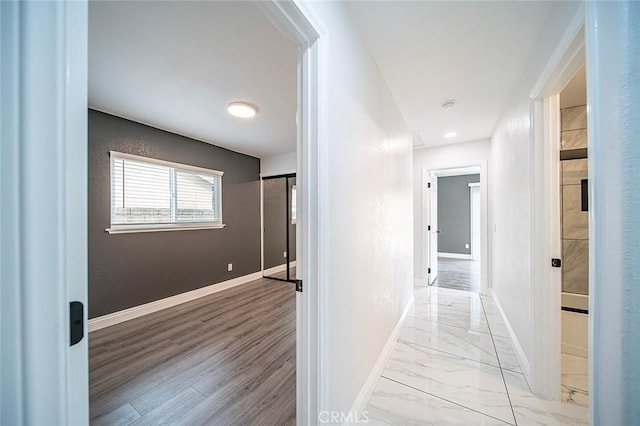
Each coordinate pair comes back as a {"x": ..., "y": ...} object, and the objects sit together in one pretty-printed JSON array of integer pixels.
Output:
[{"x": 432, "y": 227}]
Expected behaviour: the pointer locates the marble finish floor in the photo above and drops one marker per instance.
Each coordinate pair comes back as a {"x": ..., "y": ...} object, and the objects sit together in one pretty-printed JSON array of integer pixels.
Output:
[
  {"x": 454, "y": 363},
  {"x": 459, "y": 274}
]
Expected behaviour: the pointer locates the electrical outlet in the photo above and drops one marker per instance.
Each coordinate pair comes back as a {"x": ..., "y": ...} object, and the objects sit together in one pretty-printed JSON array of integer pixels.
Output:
[
  {"x": 466, "y": 246},
  {"x": 230, "y": 267},
  {"x": 285, "y": 254}
]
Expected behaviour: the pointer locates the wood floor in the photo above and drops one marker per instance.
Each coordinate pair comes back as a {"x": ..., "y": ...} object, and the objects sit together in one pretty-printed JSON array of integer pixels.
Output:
[
  {"x": 226, "y": 359},
  {"x": 458, "y": 274}
]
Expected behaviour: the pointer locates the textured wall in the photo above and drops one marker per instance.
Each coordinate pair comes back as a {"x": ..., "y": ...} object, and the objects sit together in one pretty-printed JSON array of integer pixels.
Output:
[
  {"x": 366, "y": 176},
  {"x": 127, "y": 270},
  {"x": 511, "y": 172}
]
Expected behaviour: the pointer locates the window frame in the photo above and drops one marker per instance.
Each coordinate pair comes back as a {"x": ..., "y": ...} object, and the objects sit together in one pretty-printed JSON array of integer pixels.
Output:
[{"x": 157, "y": 227}]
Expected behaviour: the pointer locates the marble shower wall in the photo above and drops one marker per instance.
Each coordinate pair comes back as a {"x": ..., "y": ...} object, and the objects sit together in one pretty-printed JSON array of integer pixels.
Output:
[{"x": 575, "y": 218}]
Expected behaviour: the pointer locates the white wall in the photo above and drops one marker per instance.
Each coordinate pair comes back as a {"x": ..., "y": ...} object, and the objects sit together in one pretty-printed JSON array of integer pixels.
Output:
[
  {"x": 279, "y": 164},
  {"x": 367, "y": 181},
  {"x": 510, "y": 174},
  {"x": 459, "y": 154}
]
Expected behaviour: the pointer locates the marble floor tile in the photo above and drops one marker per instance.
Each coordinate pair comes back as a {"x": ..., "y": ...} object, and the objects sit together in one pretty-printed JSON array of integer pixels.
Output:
[
  {"x": 473, "y": 319},
  {"x": 506, "y": 354},
  {"x": 458, "y": 300},
  {"x": 469, "y": 383},
  {"x": 531, "y": 410},
  {"x": 395, "y": 404},
  {"x": 497, "y": 325},
  {"x": 450, "y": 339}
]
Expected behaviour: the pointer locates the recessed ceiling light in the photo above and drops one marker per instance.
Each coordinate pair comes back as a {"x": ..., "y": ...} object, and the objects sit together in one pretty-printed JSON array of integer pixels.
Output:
[
  {"x": 449, "y": 104},
  {"x": 242, "y": 109},
  {"x": 450, "y": 134}
]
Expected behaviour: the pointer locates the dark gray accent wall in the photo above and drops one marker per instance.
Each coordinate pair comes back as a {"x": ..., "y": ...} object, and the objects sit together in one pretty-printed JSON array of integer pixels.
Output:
[
  {"x": 127, "y": 270},
  {"x": 454, "y": 217}
]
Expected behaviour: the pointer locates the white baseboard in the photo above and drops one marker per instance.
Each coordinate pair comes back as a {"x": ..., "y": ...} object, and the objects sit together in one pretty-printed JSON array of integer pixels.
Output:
[
  {"x": 158, "y": 305},
  {"x": 522, "y": 357},
  {"x": 455, "y": 256},
  {"x": 279, "y": 268},
  {"x": 370, "y": 384}
]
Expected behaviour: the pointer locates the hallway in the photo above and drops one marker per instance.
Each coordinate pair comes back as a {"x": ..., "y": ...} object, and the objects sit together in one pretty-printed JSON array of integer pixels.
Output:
[{"x": 453, "y": 363}]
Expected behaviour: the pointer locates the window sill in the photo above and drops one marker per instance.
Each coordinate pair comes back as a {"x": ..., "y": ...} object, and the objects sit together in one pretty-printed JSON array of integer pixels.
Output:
[{"x": 131, "y": 229}]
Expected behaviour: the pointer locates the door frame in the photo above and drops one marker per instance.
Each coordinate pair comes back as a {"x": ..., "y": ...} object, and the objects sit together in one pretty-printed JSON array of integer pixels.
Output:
[
  {"x": 485, "y": 246},
  {"x": 44, "y": 61},
  {"x": 566, "y": 60},
  {"x": 43, "y": 223}
]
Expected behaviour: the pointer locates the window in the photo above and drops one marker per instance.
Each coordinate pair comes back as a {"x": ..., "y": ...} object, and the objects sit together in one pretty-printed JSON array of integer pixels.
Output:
[{"x": 150, "y": 195}]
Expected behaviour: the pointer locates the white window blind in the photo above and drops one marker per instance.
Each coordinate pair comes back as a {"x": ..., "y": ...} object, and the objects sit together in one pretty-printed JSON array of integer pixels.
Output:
[{"x": 147, "y": 192}]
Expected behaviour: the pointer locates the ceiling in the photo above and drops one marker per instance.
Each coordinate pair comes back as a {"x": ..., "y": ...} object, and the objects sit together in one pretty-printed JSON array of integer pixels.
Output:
[
  {"x": 575, "y": 93},
  {"x": 430, "y": 52},
  {"x": 176, "y": 66}
]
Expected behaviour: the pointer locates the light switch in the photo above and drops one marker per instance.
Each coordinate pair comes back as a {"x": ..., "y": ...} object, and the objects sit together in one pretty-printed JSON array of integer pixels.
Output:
[{"x": 230, "y": 267}]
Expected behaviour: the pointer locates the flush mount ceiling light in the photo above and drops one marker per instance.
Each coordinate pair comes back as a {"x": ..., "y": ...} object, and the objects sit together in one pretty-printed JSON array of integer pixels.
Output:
[
  {"x": 449, "y": 134},
  {"x": 449, "y": 104},
  {"x": 242, "y": 109}
]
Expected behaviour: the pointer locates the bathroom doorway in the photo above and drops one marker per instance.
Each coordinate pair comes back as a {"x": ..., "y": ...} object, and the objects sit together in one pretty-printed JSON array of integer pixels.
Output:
[{"x": 574, "y": 226}]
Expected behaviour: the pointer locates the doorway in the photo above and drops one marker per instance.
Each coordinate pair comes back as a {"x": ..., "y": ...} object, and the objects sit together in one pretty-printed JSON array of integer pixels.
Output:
[
  {"x": 58, "y": 32},
  {"x": 574, "y": 219},
  {"x": 279, "y": 213},
  {"x": 453, "y": 227}
]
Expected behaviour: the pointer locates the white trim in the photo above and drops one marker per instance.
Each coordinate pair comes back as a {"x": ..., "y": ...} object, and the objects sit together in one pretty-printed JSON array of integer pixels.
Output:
[
  {"x": 454, "y": 255},
  {"x": 181, "y": 166},
  {"x": 276, "y": 269},
  {"x": 132, "y": 229},
  {"x": 565, "y": 61},
  {"x": 43, "y": 224},
  {"x": 369, "y": 386},
  {"x": 168, "y": 302},
  {"x": 473, "y": 184},
  {"x": 545, "y": 232},
  {"x": 520, "y": 354}
]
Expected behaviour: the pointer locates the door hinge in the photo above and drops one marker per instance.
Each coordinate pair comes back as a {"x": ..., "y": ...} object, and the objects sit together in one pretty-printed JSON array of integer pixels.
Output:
[
  {"x": 298, "y": 285},
  {"x": 428, "y": 270},
  {"x": 429, "y": 185},
  {"x": 556, "y": 263},
  {"x": 428, "y": 227},
  {"x": 76, "y": 322}
]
